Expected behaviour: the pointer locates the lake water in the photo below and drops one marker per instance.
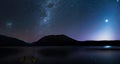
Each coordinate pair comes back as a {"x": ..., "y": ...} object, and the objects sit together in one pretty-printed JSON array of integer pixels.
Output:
[{"x": 59, "y": 55}]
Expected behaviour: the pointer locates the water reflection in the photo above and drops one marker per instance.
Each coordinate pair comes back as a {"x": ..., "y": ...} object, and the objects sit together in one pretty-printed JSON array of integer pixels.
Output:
[
  {"x": 62, "y": 55},
  {"x": 99, "y": 56}
]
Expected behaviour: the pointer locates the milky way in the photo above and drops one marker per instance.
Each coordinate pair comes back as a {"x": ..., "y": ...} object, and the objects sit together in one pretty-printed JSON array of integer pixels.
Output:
[
  {"x": 30, "y": 20},
  {"x": 48, "y": 6}
]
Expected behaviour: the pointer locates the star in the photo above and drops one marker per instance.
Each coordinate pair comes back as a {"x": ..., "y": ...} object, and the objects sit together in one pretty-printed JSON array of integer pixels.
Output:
[
  {"x": 45, "y": 20},
  {"x": 106, "y": 20},
  {"x": 9, "y": 24}
]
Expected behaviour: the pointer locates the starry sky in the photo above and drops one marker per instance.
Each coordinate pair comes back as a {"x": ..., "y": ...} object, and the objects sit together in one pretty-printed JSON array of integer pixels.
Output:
[{"x": 29, "y": 20}]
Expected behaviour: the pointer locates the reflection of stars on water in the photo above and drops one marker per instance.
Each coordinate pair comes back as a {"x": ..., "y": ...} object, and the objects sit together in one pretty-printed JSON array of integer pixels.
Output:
[{"x": 107, "y": 46}]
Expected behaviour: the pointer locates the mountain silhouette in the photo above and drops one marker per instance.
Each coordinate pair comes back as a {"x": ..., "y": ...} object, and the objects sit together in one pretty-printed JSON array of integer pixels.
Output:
[
  {"x": 55, "y": 40},
  {"x": 65, "y": 40},
  {"x": 9, "y": 41}
]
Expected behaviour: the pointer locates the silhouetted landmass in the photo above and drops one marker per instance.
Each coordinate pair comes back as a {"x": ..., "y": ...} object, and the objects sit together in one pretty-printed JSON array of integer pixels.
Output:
[
  {"x": 52, "y": 40},
  {"x": 9, "y": 41},
  {"x": 56, "y": 40}
]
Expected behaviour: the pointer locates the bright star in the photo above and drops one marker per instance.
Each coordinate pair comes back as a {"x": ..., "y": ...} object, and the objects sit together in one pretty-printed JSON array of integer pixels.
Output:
[{"x": 106, "y": 20}]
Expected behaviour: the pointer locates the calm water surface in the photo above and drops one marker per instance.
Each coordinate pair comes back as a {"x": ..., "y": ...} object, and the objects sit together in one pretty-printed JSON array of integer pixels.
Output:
[{"x": 59, "y": 55}]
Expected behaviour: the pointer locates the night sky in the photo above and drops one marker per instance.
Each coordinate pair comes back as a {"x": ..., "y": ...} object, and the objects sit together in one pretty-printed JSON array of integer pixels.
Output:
[{"x": 29, "y": 20}]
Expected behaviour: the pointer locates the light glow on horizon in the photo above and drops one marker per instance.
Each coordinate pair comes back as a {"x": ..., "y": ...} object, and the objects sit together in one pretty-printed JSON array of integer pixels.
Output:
[{"x": 105, "y": 34}]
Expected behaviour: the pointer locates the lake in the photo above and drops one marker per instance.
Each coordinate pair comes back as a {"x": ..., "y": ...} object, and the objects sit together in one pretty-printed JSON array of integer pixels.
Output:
[{"x": 59, "y": 55}]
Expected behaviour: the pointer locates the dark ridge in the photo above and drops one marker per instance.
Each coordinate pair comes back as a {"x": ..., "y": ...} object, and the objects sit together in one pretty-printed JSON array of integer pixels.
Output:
[
  {"x": 101, "y": 43},
  {"x": 9, "y": 41},
  {"x": 54, "y": 40},
  {"x": 57, "y": 38}
]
